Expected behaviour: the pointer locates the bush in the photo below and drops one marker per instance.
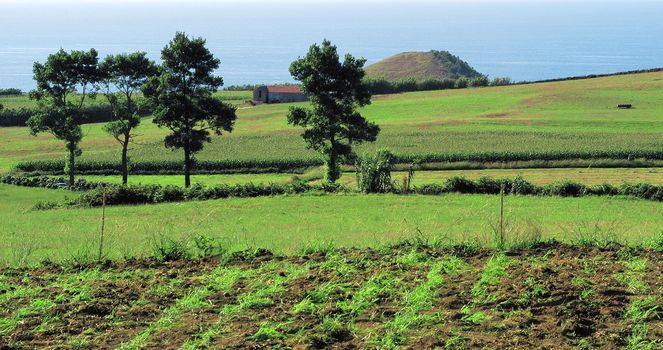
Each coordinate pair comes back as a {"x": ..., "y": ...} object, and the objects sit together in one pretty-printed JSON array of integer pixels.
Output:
[
  {"x": 436, "y": 84},
  {"x": 50, "y": 182},
  {"x": 379, "y": 86},
  {"x": 479, "y": 81},
  {"x": 566, "y": 189},
  {"x": 382, "y": 86},
  {"x": 129, "y": 195},
  {"x": 430, "y": 189},
  {"x": 209, "y": 246},
  {"x": 603, "y": 190},
  {"x": 502, "y": 81},
  {"x": 462, "y": 83},
  {"x": 118, "y": 195},
  {"x": 168, "y": 249},
  {"x": 657, "y": 243},
  {"x": 134, "y": 194},
  {"x": 14, "y": 117},
  {"x": 460, "y": 184},
  {"x": 488, "y": 185},
  {"x": 244, "y": 87},
  {"x": 642, "y": 190},
  {"x": 521, "y": 186},
  {"x": 374, "y": 172},
  {"x": 405, "y": 85},
  {"x": 170, "y": 193}
]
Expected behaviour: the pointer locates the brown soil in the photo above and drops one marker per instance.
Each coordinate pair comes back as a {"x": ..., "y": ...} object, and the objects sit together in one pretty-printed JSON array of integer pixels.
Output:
[{"x": 543, "y": 302}]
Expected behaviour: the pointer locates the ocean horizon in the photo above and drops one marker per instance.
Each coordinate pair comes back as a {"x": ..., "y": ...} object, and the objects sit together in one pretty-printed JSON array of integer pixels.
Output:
[{"x": 257, "y": 41}]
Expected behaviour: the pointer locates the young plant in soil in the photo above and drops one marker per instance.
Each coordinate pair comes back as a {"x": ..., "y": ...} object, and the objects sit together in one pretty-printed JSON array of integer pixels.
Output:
[
  {"x": 492, "y": 275},
  {"x": 266, "y": 283},
  {"x": 642, "y": 309},
  {"x": 415, "y": 302},
  {"x": 221, "y": 279}
]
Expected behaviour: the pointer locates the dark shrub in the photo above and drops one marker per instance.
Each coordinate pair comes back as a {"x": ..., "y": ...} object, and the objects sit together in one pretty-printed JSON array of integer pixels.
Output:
[
  {"x": 170, "y": 193},
  {"x": 460, "y": 184},
  {"x": 431, "y": 189},
  {"x": 489, "y": 185},
  {"x": 168, "y": 249},
  {"x": 479, "y": 81},
  {"x": 50, "y": 182},
  {"x": 501, "y": 81},
  {"x": 462, "y": 83},
  {"x": 566, "y": 189},
  {"x": 642, "y": 190},
  {"x": 118, "y": 195},
  {"x": 14, "y": 117},
  {"x": 379, "y": 86},
  {"x": 603, "y": 190},
  {"x": 521, "y": 186}
]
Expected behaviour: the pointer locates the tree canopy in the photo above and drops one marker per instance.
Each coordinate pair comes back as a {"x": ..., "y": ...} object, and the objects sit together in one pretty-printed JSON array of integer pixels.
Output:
[
  {"x": 336, "y": 91},
  {"x": 64, "y": 81},
  {"x": 122, "y": 76},
  {"x": 182, "y": 97}
]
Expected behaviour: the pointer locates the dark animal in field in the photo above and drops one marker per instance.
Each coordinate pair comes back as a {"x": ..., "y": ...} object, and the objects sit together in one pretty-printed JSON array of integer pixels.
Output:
[{"x": 625, "y": 106}]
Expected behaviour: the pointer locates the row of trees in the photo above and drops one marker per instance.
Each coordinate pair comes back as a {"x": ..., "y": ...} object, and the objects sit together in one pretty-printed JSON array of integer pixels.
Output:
[
  {"x": 384, "y": 86},
  {"x": 179, "y": 91},
  {"x": 10, "y": 92}
]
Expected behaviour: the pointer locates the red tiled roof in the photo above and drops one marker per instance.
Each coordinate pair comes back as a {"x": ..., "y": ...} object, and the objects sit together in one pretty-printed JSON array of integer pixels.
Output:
[{"x": 284, "y": 89}]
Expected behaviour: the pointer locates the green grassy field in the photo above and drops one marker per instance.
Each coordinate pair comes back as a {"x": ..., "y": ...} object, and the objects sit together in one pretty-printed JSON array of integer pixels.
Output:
[
  {"x": 562, "y": 116},
  {"x": 207, "y": 180},
  {"x": 24, "y": 101},
  {"x": 587, "y": 176},
  {"x": 410, "y": 289},
  {"x": 286, "y": 224}
]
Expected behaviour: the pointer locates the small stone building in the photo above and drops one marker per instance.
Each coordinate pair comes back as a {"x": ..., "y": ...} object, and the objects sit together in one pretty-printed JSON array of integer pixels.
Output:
[{"x": 278, "y": 94}]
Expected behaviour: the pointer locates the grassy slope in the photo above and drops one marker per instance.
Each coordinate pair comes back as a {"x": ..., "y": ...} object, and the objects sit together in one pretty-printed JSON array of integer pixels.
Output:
[
  {"x": 23, "y": 101},
  {"x": 417, "y": 65},
  {"x": 286, "y": 224},
  {"x": 570, "y": 115}
]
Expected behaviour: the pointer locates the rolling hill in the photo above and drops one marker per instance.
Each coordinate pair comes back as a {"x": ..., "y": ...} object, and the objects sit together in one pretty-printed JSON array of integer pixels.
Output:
[{"x": 420, "y": 66}]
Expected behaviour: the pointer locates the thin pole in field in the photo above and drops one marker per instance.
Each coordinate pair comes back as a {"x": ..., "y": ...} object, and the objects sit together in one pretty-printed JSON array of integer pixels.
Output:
[
  {"x": 501, "y": 216},
  {"x": 103, "y": 223}
]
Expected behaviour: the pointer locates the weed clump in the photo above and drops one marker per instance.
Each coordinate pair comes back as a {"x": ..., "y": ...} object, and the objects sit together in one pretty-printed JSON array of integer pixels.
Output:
[{"x": 374, "y": 172}]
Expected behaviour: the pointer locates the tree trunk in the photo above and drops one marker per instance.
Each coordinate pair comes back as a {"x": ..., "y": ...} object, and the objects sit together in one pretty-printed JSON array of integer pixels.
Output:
[
  {"x": 332, "y": 170},
  {"x": 72, "y": 165},
  {"x": 187, "y": 167},
  {"x": 125, "y": 162}
]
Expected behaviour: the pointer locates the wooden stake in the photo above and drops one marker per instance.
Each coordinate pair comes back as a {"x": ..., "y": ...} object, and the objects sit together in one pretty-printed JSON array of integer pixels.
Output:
[
  {"x": 502, "y": 216},
  {"x": 103, "y": 224}
]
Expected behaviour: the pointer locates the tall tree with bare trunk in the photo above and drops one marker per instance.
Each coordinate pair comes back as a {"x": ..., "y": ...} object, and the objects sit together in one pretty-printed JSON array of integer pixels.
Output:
[
  {"x": 182, "y": 96},
  {"x": 122, "y": 76},
  {"x": 64, "y": 82},
  {"x": 337, "y": 91}
]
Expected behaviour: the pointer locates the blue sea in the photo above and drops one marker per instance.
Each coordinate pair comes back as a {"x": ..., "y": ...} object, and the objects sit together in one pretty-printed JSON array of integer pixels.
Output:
[{"x": 256, "y": 41}]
